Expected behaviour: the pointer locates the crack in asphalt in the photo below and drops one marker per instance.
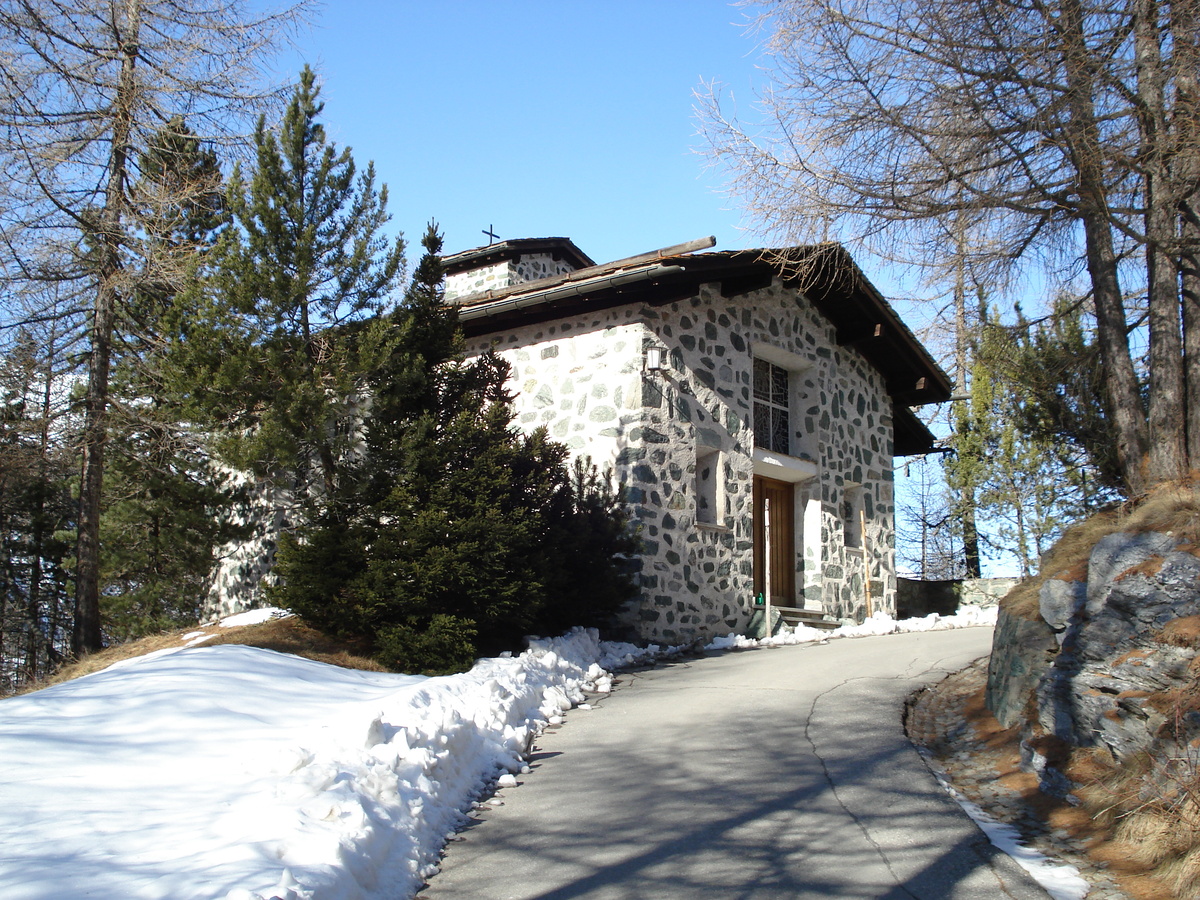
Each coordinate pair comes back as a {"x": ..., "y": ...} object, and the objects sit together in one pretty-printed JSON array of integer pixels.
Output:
[
  {"x": 866, "y": 832},
  {"x": 937, "y": 668}
]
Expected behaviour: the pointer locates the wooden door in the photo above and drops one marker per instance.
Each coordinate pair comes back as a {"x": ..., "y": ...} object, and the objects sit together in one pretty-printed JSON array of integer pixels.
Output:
[{"x": 777, "y": 497}]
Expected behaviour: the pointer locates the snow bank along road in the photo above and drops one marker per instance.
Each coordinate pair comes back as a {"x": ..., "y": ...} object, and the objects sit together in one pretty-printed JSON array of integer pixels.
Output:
[
  {"x": 775, "y": 773},
  {"x": 232, "y": 773}
]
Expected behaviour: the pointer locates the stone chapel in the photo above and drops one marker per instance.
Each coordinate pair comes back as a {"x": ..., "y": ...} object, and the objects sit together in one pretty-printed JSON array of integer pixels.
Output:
[{"x": 751, "y": 402}]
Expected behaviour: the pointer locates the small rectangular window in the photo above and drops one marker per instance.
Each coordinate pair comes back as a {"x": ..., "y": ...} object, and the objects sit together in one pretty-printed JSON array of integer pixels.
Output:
[
  {"x": 708, "y": 470},
  {"x": 772, "y": 418},
  {"x": 852, "y": 516}
]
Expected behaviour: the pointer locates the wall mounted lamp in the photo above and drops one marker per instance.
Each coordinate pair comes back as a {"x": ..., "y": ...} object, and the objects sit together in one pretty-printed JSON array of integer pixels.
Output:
[{"x": 654, "y": 359}]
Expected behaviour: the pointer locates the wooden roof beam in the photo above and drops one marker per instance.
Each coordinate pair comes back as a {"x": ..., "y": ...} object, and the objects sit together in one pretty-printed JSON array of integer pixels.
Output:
[
  {"x": 744, "y": 284},
  {"x": 915, "y": 393},
  {"x": 853, "y": 337}
]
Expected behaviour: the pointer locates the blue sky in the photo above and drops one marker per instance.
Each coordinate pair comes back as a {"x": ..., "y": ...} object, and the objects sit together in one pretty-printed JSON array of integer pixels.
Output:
[
  {"x": 570, "y": 118},
  {"x": 535, "y": 118}
]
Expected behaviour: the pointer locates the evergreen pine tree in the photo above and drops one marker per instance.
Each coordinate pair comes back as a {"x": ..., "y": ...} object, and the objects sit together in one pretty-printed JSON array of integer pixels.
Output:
[
  {"x": 37, "y": 515},
  {"x": 1055, "y": 365},
  {"x": 273, "y": 353},
  {"x": 159, "y": 528},
  {"x": 461, "y": 535},
  {"x": 1029, "y": 440}
]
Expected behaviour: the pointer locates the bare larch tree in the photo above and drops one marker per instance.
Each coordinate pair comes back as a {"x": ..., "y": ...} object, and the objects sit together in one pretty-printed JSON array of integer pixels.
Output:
[
  {"x": 84, "y": 87},
  {"x": 1059, "y": 133}
]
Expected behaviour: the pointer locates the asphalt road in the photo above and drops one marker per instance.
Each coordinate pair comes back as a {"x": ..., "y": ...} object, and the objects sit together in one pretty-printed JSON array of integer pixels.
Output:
[{"x": 764, "y": 774}]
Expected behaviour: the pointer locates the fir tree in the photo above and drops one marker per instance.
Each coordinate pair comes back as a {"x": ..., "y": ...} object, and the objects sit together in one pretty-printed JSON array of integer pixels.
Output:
[
  {"x": 460, "y": 535},
  {"x": 1029, "y": 440},
  {"x": 273, "y": 353},
  {"x": 37, "y": 516},
  {"x": 86, "y": 85},
  {"x": 1055, "y": 365}
]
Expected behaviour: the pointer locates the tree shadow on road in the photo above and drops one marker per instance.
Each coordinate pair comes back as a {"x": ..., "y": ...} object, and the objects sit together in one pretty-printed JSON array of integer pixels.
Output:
[{"x": 788, "y": 793}]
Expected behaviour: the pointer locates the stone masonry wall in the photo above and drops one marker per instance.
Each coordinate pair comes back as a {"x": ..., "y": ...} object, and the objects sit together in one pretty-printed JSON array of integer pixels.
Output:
[
  {"x": 529, "y": 267},
  {"x": 841, "y": 418},
  {"x": 583, "y": 378}
]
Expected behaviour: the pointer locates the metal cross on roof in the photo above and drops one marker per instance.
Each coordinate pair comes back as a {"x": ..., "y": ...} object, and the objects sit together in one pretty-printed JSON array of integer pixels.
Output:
[{"x": 491, "y": 234}]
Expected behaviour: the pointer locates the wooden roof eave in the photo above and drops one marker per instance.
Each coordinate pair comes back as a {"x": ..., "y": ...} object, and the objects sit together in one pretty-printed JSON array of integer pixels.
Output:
[
  {"x": 869, "y": 324},
  {"x": 509, "y": 249},
  {"x": 861, "y": 317},
  {"x": 910, "y": 436}
]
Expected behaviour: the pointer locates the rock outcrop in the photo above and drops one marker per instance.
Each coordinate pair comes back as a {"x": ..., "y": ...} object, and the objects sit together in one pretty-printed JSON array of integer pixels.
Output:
[
  {"x": 1022, "y": 650},
  {"x": 1100, "y": 665}
]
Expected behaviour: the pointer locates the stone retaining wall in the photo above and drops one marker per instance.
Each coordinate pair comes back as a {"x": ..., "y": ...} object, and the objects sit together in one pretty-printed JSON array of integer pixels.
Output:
[{"x": 920, "y": 597}]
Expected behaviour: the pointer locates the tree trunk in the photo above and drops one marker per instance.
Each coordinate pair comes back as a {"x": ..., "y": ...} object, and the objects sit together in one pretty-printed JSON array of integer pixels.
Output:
[
  {"x": 1083, "y": 134},
  {"x": 86, "y": 636},
  {"x": 1167, "y": 452},
  {"x": 34, "y": 638},
  {"x": 1185, "y": 31},
  {"x": 1190, "y": 266},
  {"x": 5, "y": 588},
  {"x": 1022, "y": 538},
  {"x": 966, "y": 499}
]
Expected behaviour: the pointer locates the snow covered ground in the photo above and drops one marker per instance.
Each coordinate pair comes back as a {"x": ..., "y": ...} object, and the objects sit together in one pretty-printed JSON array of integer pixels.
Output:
[
  {"x": 879, "y": 623},
  {"x": 235, "y": 773}
]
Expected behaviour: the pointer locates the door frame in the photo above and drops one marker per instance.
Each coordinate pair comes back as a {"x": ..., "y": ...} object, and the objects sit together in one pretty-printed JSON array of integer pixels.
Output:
[{"x": 783, "y": 539}]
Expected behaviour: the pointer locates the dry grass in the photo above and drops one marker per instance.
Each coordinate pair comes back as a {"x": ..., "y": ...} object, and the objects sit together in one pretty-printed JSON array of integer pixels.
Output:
[
  {"x": 289, "y": 635},
  {"x": 1067, "y": 559},
  {"x": 1102, "y": 780},
  {"x": 1149, "y": 805},
  {"x": 1184, "y": 632},
  {"x": 997, "y": 749},
  {"x": 1172, "y": 508},
  {"x": 1105, "y": 828}
]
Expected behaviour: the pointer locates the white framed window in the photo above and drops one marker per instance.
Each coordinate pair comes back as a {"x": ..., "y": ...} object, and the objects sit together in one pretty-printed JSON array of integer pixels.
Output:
[{"x": 772, "y": 407}]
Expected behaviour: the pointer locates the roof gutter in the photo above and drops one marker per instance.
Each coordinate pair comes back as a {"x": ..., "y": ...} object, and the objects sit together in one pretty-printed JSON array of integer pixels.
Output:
[{"x": 566, "y": 291}]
